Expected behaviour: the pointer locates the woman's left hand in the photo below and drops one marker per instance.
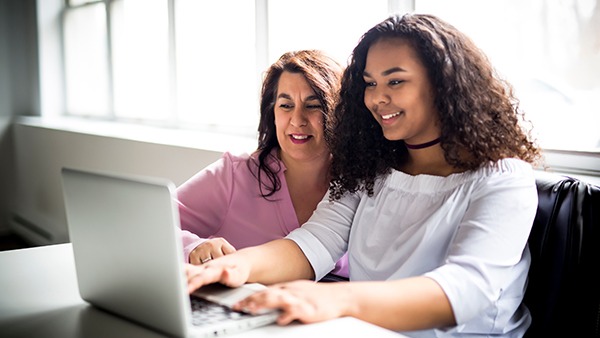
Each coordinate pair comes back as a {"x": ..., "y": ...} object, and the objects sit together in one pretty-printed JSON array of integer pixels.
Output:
[{"x": 306, "y": 301}]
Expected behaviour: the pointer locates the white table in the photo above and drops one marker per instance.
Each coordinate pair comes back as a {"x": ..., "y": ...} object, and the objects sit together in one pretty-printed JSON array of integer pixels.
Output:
[{"x": 39, "y": 297}]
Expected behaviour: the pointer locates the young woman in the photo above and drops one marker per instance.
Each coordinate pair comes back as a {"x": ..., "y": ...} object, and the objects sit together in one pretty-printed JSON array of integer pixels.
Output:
[
  {"x": 433, "y": 196},
  {"x": 247, "y": 200}
]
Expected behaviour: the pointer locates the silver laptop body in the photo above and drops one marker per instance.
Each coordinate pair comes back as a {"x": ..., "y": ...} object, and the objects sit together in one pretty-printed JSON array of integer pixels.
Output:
[{"x": 128, "y": 253}]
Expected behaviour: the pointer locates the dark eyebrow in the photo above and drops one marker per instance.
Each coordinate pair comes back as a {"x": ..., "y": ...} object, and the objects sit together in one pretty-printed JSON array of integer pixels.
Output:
[
  {"x": 393, "y": 70},
  {"x": 287, "y": 97},
  {"x": 387, "y": 72}
]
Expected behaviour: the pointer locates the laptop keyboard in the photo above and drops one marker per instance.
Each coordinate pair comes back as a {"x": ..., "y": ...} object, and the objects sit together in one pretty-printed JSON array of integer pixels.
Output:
[{"x": 205, "y": 312}]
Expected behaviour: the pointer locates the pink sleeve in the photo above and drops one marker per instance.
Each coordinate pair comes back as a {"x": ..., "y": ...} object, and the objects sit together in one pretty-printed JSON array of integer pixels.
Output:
[
  {"x": 341, "y": 267},
  {"x": 204, "y": 202},
  {"x": 190, "y": 242}
]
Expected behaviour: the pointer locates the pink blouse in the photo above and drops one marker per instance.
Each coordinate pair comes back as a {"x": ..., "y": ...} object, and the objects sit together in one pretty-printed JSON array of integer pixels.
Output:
[{"x": 224, "y": 200}]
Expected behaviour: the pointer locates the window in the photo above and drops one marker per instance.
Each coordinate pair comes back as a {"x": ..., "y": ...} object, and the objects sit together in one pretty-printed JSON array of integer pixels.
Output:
[
  {"x": 200, "y": 63},
  {"x": 86, "y": 71},
  {"x": 217, "y": 75},
  {"x": 195, "y": 63},
  {"x": 334, "y": 26},
  {"x": 139, "y": 44},
  {"x": 549, "y": 51}
]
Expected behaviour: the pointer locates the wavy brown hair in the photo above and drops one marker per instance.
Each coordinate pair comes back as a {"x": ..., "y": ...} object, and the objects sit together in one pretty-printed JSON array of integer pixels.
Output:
[
  {"x": 323, "y": 74},
  {"x": 479, "y": 115}
]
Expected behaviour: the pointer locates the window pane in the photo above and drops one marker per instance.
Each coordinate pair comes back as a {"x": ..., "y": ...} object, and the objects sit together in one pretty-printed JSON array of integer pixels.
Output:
[
  {"x": 86, "y": 70},
  {"x": 334, "y": 26},
  {"x": 549, "y": 51},
  {"x": 216, "y": 63},
  {"x": 140, "y": 58}
]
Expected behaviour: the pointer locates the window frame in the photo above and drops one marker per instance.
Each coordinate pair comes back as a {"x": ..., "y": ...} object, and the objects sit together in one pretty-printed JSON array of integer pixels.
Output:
[{"x": 172, "y": 120}]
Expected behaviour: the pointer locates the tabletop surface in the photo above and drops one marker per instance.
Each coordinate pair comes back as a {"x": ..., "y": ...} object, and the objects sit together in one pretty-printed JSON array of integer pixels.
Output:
[{"x": 39, "y": 296}]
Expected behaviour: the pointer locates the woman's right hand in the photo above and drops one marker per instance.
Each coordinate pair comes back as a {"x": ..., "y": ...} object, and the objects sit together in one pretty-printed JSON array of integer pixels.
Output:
[
  {"x": 210, "y": 249},
  {"x": 230, "y": 270},
  {"x": 273, "y": 262}
]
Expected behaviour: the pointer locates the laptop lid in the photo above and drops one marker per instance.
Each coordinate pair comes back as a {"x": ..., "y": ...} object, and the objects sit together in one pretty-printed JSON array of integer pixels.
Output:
[{"x": 127, "y": 247}]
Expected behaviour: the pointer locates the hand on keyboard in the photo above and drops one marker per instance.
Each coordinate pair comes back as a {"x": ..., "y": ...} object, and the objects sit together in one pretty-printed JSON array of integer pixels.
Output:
[
  {"x": 306, "y": 301},
  {"x": 230, "y": 270}
]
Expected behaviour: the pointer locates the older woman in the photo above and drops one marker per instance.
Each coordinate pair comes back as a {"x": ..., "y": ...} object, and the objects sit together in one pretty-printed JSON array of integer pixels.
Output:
[{"x": 247, "y": 200}]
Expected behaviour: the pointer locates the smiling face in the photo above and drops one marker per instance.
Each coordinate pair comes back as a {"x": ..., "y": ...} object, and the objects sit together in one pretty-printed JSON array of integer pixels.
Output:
[
  {"x": 298, "y": 119},
  {"x": 398, "y": 92}
]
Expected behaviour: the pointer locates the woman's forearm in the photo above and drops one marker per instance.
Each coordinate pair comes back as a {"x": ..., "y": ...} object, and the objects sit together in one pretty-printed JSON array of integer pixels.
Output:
[
  {"x": 410, "y": 304},
  {"x": 277, "y": 261}
]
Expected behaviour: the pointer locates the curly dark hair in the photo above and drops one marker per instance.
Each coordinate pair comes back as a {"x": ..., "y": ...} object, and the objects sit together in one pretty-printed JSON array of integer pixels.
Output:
[
  {"x": 479, "y": 115},
  {"x": 323, "y": 74}
]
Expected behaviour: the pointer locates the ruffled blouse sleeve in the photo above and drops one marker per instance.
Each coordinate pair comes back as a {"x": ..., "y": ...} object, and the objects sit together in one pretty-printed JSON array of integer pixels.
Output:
[
  {"x": 324, "y": 237},
  {"x": 489, "y": 242}
]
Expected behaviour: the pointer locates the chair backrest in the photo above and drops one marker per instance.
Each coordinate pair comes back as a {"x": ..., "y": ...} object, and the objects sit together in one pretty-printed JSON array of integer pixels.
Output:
[{"x": 563, "y": 292}]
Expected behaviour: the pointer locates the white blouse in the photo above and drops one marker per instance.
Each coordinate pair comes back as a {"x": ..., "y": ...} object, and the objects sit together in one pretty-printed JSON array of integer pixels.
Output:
[{"x": 467, "y": 231}]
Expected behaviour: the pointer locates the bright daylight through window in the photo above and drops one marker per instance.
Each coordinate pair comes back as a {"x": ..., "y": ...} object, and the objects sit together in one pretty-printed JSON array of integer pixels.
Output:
[
  {"x": 550, "y": 51},
  {"x": 194, "y": 63}
]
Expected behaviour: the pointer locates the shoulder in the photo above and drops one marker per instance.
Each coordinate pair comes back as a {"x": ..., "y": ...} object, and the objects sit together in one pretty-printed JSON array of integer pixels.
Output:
[
  {"x": 237, "y": 162},
  {"x": 221, "y": 170},
  {"x": 512, "y": 166},
  {"x": 235, "y": 158},
  {"x": 507, "y": 177},
  {"x": 504, "y": 170},
  {"x": 508, "y": 169},
  {"x": 248, "y": 164}
]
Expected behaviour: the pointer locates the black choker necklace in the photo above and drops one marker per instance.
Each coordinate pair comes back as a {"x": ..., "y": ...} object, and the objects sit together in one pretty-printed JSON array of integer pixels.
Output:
[{"x": 423, "y": 145}]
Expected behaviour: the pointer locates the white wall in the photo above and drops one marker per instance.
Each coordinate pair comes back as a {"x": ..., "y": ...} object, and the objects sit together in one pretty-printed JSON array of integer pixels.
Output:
[{"x": 41, "y": 153}]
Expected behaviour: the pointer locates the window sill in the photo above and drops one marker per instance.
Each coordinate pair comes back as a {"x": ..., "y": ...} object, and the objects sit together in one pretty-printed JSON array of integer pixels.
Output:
[
  {"x": 159, "y": 135},
  {"x": 582, "y": 165}
]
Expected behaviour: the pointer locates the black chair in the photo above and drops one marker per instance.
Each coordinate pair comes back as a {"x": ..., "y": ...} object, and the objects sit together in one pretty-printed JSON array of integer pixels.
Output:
[{"x": 563, "y": 292}]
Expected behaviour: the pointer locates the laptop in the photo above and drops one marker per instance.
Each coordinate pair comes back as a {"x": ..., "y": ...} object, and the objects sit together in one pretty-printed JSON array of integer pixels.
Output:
[{"x": 129, "y": 258}]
